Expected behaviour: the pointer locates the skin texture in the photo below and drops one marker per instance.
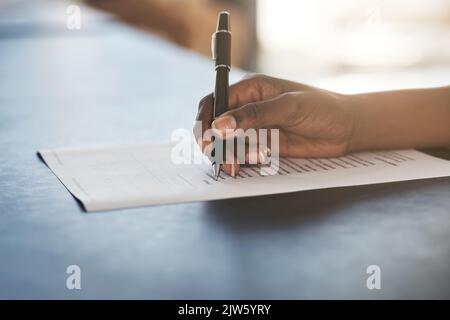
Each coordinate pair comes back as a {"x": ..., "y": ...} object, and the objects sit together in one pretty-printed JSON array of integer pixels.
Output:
[{"x": 319, "y": 123}]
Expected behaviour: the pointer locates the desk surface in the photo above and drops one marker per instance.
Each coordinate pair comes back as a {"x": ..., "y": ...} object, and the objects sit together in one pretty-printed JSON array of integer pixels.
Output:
[{"x": 115, "y": 85}]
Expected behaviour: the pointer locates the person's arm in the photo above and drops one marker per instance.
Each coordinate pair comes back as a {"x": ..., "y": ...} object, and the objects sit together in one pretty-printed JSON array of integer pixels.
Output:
[
  {"x": 320, "y": 123},
  {"x": 401, "y": 119},
  {"x": 187, "y": 23}
]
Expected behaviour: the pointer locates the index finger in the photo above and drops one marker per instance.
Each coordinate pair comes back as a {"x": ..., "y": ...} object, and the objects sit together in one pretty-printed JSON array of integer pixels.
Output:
[{"x": 203, "y": 119}]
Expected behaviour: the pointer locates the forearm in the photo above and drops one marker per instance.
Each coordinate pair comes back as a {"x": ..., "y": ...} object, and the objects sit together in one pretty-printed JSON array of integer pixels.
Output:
[{"x": 401, "y": 119}]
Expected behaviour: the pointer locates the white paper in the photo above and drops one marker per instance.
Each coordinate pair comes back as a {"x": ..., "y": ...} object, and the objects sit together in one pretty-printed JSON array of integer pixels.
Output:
[{"x": 139, "y": 175}]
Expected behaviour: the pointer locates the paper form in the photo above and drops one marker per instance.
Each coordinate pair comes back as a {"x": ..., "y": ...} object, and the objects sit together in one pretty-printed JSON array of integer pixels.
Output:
[{"x": 139, "y": 175}]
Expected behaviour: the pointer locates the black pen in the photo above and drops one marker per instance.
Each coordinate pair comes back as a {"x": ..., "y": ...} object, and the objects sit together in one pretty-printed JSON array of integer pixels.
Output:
[{"x": 221, "y": 54}]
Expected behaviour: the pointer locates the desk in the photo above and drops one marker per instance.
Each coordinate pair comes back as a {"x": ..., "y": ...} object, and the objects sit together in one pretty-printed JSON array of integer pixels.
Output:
[{"x": 116, "y": 85}]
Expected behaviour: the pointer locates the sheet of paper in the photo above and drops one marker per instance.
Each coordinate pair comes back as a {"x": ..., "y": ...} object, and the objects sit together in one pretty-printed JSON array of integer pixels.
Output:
[{"x": 139, "y": 175}]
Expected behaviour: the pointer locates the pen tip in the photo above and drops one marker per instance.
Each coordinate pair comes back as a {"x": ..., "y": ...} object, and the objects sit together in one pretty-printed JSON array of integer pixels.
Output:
[{"x": 216, "y": 171}]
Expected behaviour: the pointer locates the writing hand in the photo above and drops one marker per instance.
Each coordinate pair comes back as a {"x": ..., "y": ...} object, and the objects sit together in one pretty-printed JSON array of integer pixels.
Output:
[{"x": 312, "y": 122}]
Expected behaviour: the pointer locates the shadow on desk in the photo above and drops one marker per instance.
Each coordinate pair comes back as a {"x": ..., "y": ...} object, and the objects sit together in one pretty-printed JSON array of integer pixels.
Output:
[{"x": 294, "y": 210}]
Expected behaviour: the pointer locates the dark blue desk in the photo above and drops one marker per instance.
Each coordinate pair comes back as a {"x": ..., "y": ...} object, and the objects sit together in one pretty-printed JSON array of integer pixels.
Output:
[{"x": 115, "y": 85}]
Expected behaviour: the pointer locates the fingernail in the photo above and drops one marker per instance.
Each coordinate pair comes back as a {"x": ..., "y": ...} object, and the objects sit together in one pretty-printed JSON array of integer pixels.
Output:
[{"x": 225, "y": 122}]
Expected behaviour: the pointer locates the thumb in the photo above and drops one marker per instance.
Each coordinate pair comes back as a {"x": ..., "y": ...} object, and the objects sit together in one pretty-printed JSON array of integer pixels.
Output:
[{"x": 262, "y": 114}]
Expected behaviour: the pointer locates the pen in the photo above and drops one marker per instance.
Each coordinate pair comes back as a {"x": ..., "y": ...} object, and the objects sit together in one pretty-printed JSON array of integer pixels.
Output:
[{"x": 221, "y": 54}]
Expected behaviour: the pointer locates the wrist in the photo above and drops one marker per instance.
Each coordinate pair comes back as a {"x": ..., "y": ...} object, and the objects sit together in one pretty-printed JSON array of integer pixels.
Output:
[{"x": 356, "y": 105}]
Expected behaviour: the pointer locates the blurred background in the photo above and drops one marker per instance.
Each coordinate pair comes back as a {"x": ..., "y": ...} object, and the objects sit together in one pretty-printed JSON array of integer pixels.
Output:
[
  {"x": 325, "y": 37},
  {"x": 305, "y": 39},
  {"x": 326, "y": 42}
]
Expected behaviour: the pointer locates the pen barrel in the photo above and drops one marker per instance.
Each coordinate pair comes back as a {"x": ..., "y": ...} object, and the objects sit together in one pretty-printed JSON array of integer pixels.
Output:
[
  {"x": 221, "y": 48},
  {"x": 221, "y": 92}
]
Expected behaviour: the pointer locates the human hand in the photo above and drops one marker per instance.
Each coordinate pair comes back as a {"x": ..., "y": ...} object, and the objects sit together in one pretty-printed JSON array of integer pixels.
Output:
[{"x": 312, "y": 122}]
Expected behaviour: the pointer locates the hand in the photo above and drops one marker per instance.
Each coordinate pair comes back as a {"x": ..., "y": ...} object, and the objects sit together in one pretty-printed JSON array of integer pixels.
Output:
[{"x": 312, "y": 122}]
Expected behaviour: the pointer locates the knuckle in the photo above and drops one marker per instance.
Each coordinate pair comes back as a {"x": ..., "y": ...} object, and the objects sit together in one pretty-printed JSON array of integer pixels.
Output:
[
  {"x": 249, "y": 76},
  {"x": 258, "y": 77},
  {"x": 262, "y": 77},
  {"x": 269, "y": 85}
]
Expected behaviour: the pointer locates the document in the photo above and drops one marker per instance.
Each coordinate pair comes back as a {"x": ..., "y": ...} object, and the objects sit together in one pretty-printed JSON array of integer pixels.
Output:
[{"x": 139, "y": 175}]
